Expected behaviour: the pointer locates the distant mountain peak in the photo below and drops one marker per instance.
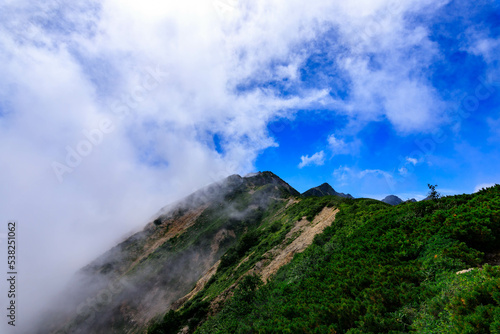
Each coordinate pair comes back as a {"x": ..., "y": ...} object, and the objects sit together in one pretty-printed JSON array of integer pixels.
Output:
[
  {"x": 395, "y": 200},
  {"x": 324, "y": 190},
  {"x": 326, "y": 186},
  {"x": 392, "y": 200}
]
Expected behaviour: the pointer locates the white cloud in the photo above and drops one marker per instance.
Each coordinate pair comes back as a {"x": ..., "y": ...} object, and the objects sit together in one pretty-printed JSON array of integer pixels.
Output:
[
  {"x": 336, "y": 144},
  {"x": 387, "y": 78},
  {"x": 317, "y": 159},
  {"x": 413, "y": 161},
  {"x": 486, "y": 47},
  {"x": 403, "y": 171},
  {"x": 483, "y": 185},
  {"x": 375, "y": 172},
  {"x": 478, "y": 41}
]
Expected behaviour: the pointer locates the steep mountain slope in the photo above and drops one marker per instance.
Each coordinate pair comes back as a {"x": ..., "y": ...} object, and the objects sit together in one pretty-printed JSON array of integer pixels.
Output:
[
  {"x": 141, "y": 277},
  {"x": 286, "y": 231},
  {"x": 250, "y": 254},
  {"x": 324, "y": 190},
  {"x": 416, "y": 267}
]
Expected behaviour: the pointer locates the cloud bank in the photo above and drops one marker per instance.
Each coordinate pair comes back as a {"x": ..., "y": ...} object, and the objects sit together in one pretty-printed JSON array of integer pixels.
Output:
[{"x": 316, "y": 159}]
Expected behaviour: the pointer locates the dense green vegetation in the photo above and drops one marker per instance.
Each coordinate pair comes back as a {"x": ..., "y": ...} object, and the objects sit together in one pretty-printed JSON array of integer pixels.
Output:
[{"x": 377, "y": 269}]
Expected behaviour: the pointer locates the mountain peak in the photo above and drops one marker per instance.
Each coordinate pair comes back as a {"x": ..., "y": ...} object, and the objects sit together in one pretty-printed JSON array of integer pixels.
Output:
[
  {"x": 268, "y": 178},
  {"x": 219, "y": 191},
  {"x": 392, "y": 200},
  {"x": 326, "y": 186},
  {"x": 324, "y": 190}
]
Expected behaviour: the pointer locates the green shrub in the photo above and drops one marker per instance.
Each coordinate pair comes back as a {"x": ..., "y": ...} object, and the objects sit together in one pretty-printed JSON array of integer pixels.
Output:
[{"x": 376, "y": 269}]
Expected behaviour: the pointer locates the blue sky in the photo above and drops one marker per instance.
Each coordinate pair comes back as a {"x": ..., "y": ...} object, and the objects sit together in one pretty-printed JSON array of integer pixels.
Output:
[
  {"x": 461, "y": 77},
  {"x": 111, "y": 109}
]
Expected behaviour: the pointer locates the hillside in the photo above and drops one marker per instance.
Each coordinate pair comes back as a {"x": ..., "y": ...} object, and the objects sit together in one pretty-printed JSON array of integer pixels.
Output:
[
  {"x": 126, "y": 287},
  {"x": 417, "y": 267},
  {"x": 253, "y": 255}
]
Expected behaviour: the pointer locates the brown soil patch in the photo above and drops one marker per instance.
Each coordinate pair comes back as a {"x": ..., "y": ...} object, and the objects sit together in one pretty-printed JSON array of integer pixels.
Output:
[
  {"x": 303, "y": 232},
  {"x": 198, "y": 287},
  {"x": 306, "y": 232},
  {"x": 219, "y": 238},
  {"x": 168, "y": 229}
]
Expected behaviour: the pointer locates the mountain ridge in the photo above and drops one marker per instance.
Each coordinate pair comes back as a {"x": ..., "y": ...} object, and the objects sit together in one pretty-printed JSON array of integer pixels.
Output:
[
  {"x": 190, "y": 235},
  {"x": 235, "y": 245}
]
